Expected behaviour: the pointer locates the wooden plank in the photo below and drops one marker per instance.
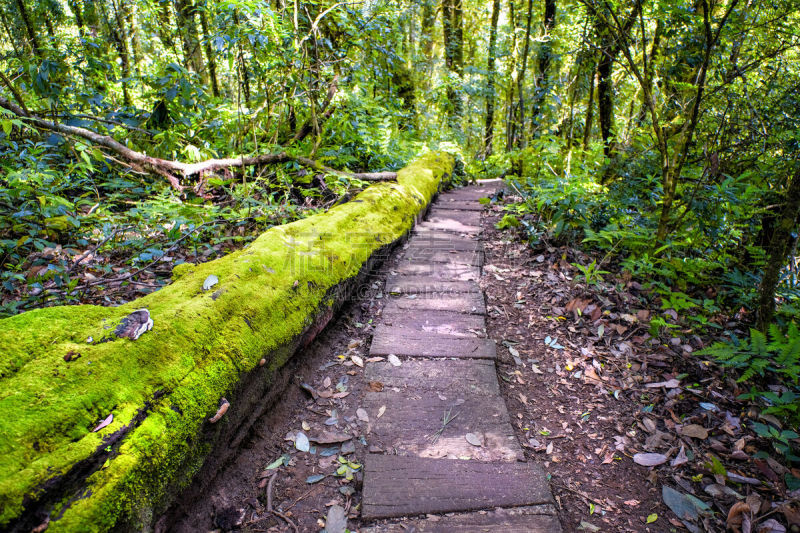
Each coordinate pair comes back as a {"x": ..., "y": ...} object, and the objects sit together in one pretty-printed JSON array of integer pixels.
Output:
[
  {"x": 470, "y": 218},
  {"x": 420, "y": 254},
  {"x": 403, "y": 486},
  {"x": 425, "y": 285},
  {"x": 435, "y": 322},
  {"x": 447, "y": 225},
  {"x": 461, "y": 205},
  {"x": 444, "y": 271},
  {"x": 470, "y": 303},
  {"x": 528, "y": 519},
  {"x": 403, "y": 342},
  {"x": 444, "y": 241},
  {"x": 467, "y": 195},
  {"x": 466, "y": 376},
  {"x": 412, "y": 416}
]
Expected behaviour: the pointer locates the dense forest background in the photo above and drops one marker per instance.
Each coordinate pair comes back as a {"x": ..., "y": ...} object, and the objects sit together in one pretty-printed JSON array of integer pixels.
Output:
[{"x": 660, "y": 138}]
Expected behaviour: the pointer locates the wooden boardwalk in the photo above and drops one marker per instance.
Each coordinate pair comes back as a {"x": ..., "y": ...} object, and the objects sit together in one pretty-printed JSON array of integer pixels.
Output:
[{"x": 444, "y": 444}]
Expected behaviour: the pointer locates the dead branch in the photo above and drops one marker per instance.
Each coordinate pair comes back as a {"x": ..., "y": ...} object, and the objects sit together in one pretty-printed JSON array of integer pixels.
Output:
[{"x": 171, "y": 170}]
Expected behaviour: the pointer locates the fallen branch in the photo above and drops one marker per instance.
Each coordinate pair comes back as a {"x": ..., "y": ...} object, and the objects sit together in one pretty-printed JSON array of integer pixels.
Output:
[
  {"x": 170, "y": 169},
  {"x": 269, "y": 503}
]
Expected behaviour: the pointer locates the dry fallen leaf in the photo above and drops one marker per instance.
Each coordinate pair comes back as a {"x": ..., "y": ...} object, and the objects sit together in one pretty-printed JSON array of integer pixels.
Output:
[
  {"x": 694, "y": 430},
  {"x": 381, "y": 411},
  {"x": 736, "y": 515},
  {"x": 106, "y": 421},
  {"x": 357, "y": 361},
  {"x": 671, "y": 384},
  {"x": 649, "y": 459}
]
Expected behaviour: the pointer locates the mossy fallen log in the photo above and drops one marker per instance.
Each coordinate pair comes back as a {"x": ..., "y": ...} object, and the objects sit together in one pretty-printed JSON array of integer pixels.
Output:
[{"x": 63, "y": 371}]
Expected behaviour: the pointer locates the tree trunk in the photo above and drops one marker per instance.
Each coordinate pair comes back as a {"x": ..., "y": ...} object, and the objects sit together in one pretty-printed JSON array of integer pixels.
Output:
[
  {"x": 11, "y": 38},
  {"x": 210, "y": 57},
  {"x": 488, "y": 137},
  {"x": 30, "y": 30},
  {"x": 545, "y": 57},
  {"x": 164, "y": 25},
  {"x": 427, "y": 22},
  {"x": 512, "y": 69},
  {"x": 587, "y": 130},
  {"x": 184, "y": 13},
  {"x": 77, "y": 12},
  {"x": 128, "y": 8},
  {"x": 453, "y": 32},
  {"x": 605, "y": 100},
  {"x": 122, "y": 50},
  {"x": 520, "y": 84},
  {"x": 780, "y": 244}
]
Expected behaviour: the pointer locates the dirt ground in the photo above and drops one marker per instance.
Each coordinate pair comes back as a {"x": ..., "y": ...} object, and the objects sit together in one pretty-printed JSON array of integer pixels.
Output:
[
  {"x": 585, "y": 384},
  {"x": 237, "y": 498}
]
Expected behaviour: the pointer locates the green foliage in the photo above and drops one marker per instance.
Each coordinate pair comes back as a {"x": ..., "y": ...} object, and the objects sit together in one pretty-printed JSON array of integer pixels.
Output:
[
  {"x": 777, "y": 356},
  {"x": 773, "y": 360},
  {"x": 591, "y": 273}
]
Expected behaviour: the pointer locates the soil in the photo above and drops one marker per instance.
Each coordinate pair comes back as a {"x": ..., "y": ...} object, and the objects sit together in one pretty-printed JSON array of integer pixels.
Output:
[
  {"x": 585, "y": 385},
  {"x": 566, "y": 424},
  {"x": 562, "y": 419},
  {"x": 236, "y": 499}
]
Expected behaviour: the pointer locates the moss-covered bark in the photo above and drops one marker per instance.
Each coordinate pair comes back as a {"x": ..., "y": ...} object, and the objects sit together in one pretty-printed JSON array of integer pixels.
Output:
[{"x": 162, "y": 387}]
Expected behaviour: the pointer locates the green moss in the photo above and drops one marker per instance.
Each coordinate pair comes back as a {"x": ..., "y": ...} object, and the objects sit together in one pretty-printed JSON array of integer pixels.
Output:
[{"x": 201, "y": 344}]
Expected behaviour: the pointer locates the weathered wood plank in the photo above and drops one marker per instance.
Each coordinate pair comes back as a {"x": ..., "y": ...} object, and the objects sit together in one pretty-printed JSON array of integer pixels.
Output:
[
  {"x": 412, "y": 417},
  {"x": 470, "y": 218},
  {"x": 397, "y": 486},
  {"x": 405, "y": 342},
  {"x": 466, "y": 195},
  {"x": 435, "y": 322},
  {"x": 445, "y": 271},
  {"x": 447, "y": 225},
  {"x": 467, "y": 376},
  {"x": 421, "y": 254},
  {"x": 424, "y": 285},
  {"x": 528, "y": 519},
  {"x": 460, "y": 205},
  {"x": 470, "y": 303},
  {"x": 444, "y": 241}
]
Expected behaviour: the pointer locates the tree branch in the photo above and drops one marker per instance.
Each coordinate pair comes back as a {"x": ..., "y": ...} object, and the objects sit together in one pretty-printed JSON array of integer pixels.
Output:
[{"x": 170, "y": 169}]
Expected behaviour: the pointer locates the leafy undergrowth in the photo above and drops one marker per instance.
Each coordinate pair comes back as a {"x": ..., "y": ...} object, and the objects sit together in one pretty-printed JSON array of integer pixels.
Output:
[
  {"x": 678, "y": 425},
  {"x": 60, "y": 244}
]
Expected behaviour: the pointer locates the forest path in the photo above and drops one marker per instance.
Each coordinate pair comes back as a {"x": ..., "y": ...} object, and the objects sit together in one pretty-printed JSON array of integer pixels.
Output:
[
  {"x": 425, "y": 308},
  {"x": 441, "y": 440}
]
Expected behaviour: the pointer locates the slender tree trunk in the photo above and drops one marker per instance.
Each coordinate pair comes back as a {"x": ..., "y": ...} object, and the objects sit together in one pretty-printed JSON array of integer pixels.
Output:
[
  {"x": 605, "y": 100},
  {"x": 512, "y": 70},
  {"x": 244, "y": 74},
  {"x": 51, "y": 31},
  {"x": 77, "y": 12},
  {"x": 11, "y": 38},
  {"x": 184, "y": 13},
  {"x": 165, "y": 25},
  {"x": 210, "y": 57},
  {"x": 128, "y": 8},
  {"x": 488, "y": 137},
  {"x": 587, "y": 130},
  {"x": 545, "y": 57},
  {"x": 427, "y": 22},
  {"x": 780, "y": 244},
  {"x": 29, "y": 29},
  {"x": 453, "y": 32},
  {"x": 122, "y": 50},
  {"x": 521, "y": 140}
]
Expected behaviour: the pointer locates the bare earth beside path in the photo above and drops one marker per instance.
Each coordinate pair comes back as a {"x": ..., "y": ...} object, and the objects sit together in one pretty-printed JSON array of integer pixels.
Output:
[{"x": 438, "y": 442}]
